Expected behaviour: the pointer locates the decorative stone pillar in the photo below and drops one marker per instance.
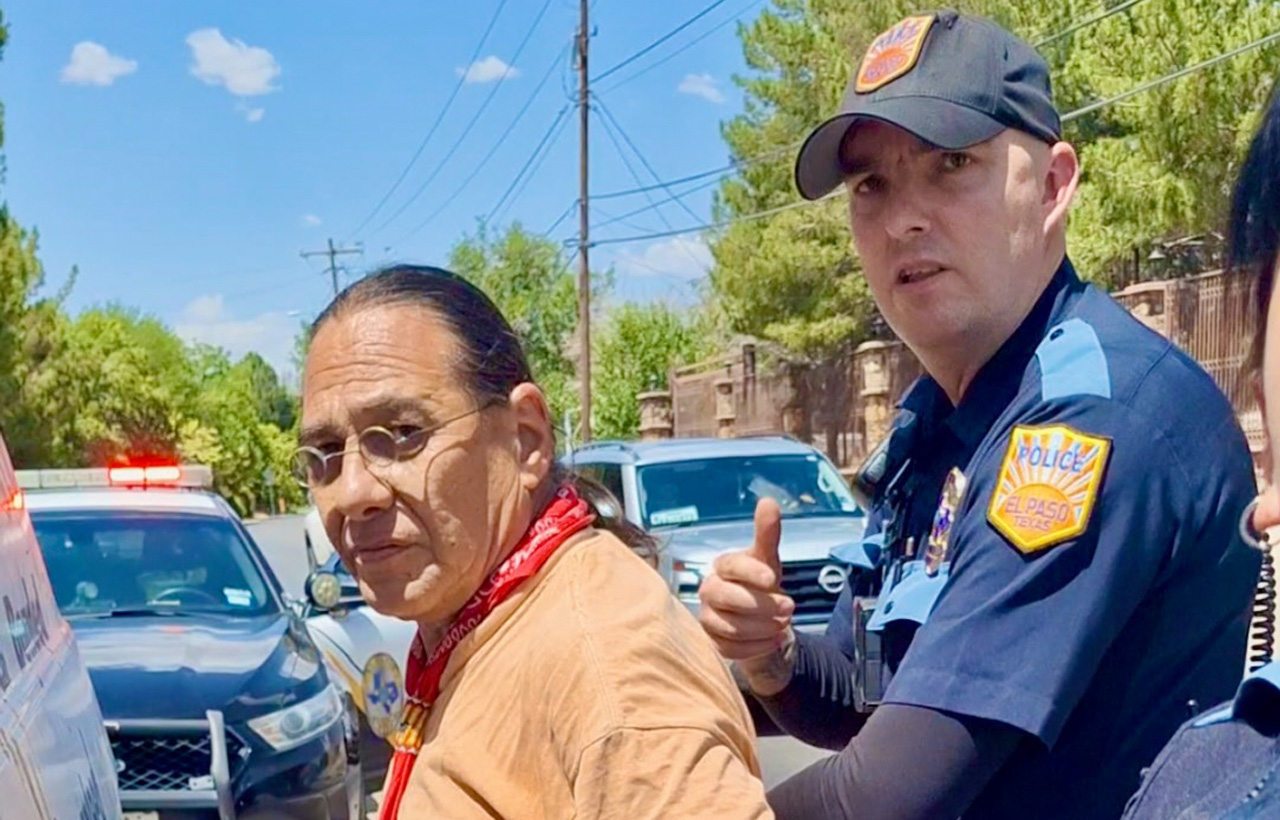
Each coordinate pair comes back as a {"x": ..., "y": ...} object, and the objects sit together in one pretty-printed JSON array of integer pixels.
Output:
[
  {"x": 872, "y": 360},
  {"x": 726, "y": 412},
  {"x": 1148, "y": 302},
  {"x": 656, "y": 419}
]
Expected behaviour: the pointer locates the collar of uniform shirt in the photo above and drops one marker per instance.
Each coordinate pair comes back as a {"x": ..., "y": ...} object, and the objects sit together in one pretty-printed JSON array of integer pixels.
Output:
[
  {"x": 1000, "y": 378},
  {"x": 1258, "y": 701}
]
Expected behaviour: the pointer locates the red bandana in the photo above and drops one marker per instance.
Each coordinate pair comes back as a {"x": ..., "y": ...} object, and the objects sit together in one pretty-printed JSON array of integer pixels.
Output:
[{"x": 566, "y": 515}]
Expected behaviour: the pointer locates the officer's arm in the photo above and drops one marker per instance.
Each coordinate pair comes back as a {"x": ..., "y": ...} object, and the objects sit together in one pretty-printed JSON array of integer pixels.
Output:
[
  {"x": 907, "y": 763},
  {"x": 816, "y": 704}
]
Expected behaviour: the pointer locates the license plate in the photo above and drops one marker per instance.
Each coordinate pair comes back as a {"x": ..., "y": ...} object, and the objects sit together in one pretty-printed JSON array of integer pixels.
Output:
[{"x": 141, "y": 815}]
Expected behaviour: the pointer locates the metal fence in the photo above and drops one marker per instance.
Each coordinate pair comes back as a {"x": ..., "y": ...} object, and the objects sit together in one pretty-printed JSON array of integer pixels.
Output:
[
  {"x": 843, "y": 407},
  {"x": 1211, "y": 317}
]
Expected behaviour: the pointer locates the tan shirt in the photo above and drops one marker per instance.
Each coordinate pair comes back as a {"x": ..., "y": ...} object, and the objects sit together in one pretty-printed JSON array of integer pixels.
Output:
[{"x": 590, "y": 693}]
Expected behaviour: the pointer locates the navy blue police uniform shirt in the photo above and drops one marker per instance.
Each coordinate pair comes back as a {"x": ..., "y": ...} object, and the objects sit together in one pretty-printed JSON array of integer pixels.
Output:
[
  {"x": 1063, "y": 556},
  {"x": 1223, "y": 765}
]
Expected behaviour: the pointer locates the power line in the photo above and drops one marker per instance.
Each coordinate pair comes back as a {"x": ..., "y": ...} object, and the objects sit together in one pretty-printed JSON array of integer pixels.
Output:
[
  {"x": 609, "y": 131},
  {"x": 561, "y": 218},
  {"x": 1079, "y": 112},
  {"x": 672, "y": 55},
  {"x": 1085, "y": 23},
  {"x": 726, "y": 170},
  {"x": 721, "y": 171},
  {"x": 475, "y": 171},
  {"x": 470, "y": 125},
  {"x": 604, "y": 109},
  {"x": 614, "y": 219},
  {"x": 717, "y": 225},
  {"x": 695, "y": 18},
  {"x": 699, "y": 187},
  {"x": 1088, "y": 109},
  {"x": 475, "y": 55},
  {"x": 533, "y": 169},
  {"x": 559, "y": 118}
]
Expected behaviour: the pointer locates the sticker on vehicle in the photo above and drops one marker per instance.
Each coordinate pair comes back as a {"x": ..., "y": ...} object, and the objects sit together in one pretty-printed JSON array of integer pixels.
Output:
[
  {"x": 238, "y": 597},
  {"x": 675, "y": 515}
]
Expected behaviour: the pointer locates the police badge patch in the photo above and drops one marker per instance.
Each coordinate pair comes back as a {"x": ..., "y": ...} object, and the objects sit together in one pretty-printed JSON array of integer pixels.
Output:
[
  {"x": 940, "y": 534},
  {"x": 383, "y": 687},
  {"x": 893, "y": 53},
  {"x": 1048, "y": 486}
]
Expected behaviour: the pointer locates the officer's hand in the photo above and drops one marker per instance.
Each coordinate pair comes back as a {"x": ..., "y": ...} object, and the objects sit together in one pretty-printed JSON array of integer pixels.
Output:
[{"x": 744, "y": 610}]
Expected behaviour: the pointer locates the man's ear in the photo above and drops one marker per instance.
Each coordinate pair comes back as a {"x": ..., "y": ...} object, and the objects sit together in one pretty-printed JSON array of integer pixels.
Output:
[
  {"x": 1061, "y": 178},
  {"x": 534, "y": 433}
]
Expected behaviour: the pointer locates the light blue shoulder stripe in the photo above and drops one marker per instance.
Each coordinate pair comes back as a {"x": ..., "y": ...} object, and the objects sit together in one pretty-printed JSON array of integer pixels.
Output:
[
  {"x": 863, "y": 554},
  {"x": 1072, "y": 362}
]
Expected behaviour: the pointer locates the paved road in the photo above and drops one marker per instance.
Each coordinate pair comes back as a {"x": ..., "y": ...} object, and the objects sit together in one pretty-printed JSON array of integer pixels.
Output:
[{"x": 281, "y": 539}]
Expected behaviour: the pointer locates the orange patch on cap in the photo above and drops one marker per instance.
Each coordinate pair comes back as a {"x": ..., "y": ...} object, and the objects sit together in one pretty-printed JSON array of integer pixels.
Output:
[{"x": 893, "y": 53}]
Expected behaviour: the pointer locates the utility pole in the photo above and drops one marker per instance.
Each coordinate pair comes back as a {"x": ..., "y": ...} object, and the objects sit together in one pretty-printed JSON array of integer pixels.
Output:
[
  {"x": 584, "y": 270},
  {"x": 333, "y": 253}
]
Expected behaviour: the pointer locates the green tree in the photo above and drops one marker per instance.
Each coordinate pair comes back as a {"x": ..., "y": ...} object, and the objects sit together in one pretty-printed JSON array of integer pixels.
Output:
[
  {"x": 1154, "y": 166},
  {"x": 529, "y": 279},
  {"x": 276, "y": 405},
  {"x": 634, "y": 350}
]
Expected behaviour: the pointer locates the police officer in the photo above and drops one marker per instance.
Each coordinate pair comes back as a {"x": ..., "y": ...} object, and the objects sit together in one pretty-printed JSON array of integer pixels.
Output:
[{"x": 1057, "y": 509}]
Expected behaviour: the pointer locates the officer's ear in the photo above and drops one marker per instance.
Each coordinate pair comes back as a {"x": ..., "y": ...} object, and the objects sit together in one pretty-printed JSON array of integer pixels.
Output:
[{"x": 1061, "y": 176}]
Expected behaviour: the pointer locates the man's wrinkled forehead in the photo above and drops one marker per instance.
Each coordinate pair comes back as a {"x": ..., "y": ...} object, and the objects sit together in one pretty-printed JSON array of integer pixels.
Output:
[{"x": 378, "y": 353}]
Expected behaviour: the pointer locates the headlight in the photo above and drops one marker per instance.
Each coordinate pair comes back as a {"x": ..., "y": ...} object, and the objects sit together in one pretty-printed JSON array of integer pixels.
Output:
[
  {"x": 300, "y": 722},
  {"x": 687, "y": 576}
]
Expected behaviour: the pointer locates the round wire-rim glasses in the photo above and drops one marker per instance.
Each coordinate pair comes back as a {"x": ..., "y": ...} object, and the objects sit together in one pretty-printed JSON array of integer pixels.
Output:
[{"x": 379, "y": 447}]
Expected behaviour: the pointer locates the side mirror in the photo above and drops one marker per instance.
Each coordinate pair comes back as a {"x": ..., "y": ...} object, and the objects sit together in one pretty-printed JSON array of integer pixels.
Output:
[{"x": 324, "y": 590}]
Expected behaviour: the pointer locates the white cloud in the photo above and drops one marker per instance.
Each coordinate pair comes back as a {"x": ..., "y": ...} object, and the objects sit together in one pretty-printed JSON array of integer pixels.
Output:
[
  {"x": 255, "y": 114},
  {"x": 701, "y": 85},
  {"x": 488, "y": 70},
  {"x": 207, "y": 319},
  {"x": 310, "y": 221},
  {"x": 92, "y": 64},
  {"x": 680, "y": 256},
  {"x": 244, "y": 70}
]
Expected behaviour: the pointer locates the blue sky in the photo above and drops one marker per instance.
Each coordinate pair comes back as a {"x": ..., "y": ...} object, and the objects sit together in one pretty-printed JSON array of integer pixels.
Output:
[{"x": 183, "y": 154}]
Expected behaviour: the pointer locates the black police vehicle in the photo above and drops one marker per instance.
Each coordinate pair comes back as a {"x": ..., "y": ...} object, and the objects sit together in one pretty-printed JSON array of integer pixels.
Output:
[{"x": 216, "y": 701}]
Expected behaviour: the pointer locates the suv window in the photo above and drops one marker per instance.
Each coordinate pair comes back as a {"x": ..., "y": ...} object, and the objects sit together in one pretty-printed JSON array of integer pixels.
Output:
[
  {"x": 102, "y": 562},
  {"x": 727, "y": 489},
  {"x": 608, "y": 475}
]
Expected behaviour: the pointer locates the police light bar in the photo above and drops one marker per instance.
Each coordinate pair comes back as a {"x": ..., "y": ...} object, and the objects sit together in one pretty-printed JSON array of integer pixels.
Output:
[{"x": 198, "y": 476}]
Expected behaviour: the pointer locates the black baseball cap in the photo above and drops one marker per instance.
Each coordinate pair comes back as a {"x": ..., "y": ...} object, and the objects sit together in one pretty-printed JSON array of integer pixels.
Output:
[{"x": 950, "y": 79}]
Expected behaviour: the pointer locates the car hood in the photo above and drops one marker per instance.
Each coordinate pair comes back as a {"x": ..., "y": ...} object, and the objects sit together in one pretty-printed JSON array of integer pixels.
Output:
[
  {"x": 803, "y": 539},
  {"x": 170, "y": 667}
]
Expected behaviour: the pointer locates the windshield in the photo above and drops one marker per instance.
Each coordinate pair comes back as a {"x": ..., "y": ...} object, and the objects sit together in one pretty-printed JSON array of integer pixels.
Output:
[
  {"x": 109, "y": 562},
  {"x": 727, "y": 489}
]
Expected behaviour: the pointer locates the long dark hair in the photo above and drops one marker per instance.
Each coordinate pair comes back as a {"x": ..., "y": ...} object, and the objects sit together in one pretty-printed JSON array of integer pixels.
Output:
[
  {"x": 492, "y": 361},
  {"x": 1254, "y": 230}
]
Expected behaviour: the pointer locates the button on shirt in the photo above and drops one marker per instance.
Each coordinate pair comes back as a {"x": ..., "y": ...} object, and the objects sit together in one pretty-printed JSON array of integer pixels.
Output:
[{"x": 1094, "y": 584}]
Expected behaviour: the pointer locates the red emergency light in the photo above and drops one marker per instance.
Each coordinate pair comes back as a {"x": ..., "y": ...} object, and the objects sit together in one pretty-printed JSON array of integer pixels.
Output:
[{"x": 144, "y": 476}]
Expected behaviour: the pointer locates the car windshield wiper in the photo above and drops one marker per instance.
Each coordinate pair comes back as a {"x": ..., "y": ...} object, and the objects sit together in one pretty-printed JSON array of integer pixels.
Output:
[{"x": 130, "y": 612}]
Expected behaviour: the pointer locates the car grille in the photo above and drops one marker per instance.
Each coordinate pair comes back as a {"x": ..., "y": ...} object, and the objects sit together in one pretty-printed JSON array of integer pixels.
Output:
[
  {"x": 166, "y": 762},
  {"x": 800, "y": 581}
]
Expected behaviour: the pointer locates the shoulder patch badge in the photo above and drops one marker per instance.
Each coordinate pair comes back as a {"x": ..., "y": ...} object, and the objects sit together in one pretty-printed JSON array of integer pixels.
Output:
[
  {"x": 943, "y": 520},
  {"x": 1048, "y": 486},
  {"x": 893, "y": 53}
]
